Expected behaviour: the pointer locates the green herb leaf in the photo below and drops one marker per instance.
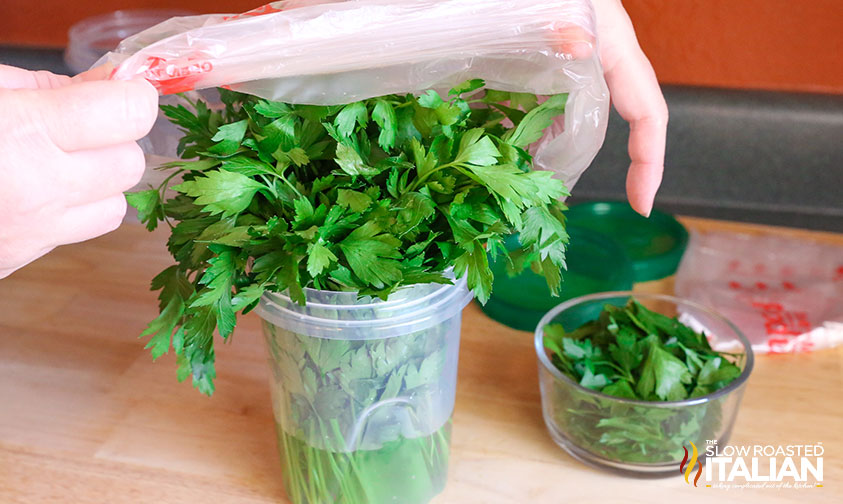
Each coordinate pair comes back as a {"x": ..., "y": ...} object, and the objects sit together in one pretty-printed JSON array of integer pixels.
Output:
[
  {"x": 354, "y": 200},
  {"x": 475, "y": 265},
  {"x": 430, "y": 99},
  {"x": 384, "y": 116},
  {"x": 631, "y": 352},
  {"x": 351, "y": 163},
  {"x": 718, "y": 372},
  {"x": 536, "y": 122},
  {"x": 228, "y": 138},
  {"x": 272, "y": 110},
  {"x": 477, "y": 149},
  {"x": 319, "y": 258},
  {"x": 467, "y": 87},
  {"x": 619, "y": 389},
  {"x": 350, "y": 116},
  {"x": 148, "y": 204},
  {"x": 368, "y": 196},
  {"x": 371, "y": 255},
  {"x": 222, "y": 192},
  {"x": 663, "y": 374}
]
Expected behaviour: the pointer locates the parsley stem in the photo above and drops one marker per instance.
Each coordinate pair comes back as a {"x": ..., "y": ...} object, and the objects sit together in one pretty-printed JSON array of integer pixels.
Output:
[
  {"x": 469, "y": 174},
  {"x": 269, "y": 185},
  {"x": 427, "y": 175},
  {"x": 163, "y": 189},
  {"x": 279, "y": 174}
]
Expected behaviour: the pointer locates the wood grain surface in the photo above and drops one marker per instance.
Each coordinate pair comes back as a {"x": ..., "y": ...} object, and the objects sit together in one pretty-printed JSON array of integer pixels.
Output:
[{"x": 87, "y": 418}]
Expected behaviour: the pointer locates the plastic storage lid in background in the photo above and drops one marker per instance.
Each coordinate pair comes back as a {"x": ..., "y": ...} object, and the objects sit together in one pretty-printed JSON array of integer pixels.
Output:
[
  {"x": 91, "y": 38},
  {"x": 595, "y": 264},
  {"x": 654, "y": 245}
]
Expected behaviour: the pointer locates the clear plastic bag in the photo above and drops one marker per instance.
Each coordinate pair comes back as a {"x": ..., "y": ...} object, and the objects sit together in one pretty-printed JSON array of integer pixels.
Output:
[
  {"x": 785, "y": 294},
  {"x": 333, "y": 52}
]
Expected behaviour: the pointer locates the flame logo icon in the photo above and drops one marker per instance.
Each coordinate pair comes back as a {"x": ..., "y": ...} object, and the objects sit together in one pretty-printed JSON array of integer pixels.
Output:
[{"x": 694, "y": 459}]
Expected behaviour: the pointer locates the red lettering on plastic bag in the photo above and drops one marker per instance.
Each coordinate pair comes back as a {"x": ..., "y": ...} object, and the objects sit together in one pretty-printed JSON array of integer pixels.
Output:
[
  {"x": 170, "y": 78},
  {"x": 781, "y": 324},
  {"x": 258, "y": 11}
]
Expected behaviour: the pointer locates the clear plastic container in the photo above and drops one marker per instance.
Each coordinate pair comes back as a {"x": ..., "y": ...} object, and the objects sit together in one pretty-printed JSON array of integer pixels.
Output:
[
  {"x": 632, "y": 436},
  {"x": 91, "y": 38},
  {"x": 363, "y": 392}
]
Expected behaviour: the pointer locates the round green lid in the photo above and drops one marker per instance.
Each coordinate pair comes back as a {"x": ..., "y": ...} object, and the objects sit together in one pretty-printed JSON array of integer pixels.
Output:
[
  {"x": 595, "y": 264},
  {"x": 654, "y": 244}
]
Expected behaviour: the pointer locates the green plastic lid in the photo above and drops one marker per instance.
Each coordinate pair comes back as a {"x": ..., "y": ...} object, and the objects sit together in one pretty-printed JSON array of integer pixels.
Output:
[
  {"x": 595, "y": 264},
  {"x": 654, "y": 245}
]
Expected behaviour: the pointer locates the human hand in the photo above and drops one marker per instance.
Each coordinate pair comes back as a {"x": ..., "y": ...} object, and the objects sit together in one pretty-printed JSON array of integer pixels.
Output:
[
  {"x": 635, "y": 94},
  {"x": 67, "y": 153},
  {"x": 637, "y": 98}
]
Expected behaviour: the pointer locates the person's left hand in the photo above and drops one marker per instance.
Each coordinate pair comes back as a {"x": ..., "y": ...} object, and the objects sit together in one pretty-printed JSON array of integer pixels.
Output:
[{"x": 67, "y": 153}]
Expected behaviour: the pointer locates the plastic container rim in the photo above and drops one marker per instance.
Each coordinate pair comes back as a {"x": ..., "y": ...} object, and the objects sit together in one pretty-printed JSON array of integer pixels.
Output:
[
  {"x": 376, "y": 302},
  {"x": 93, "y": 26},
  {"x": 544, "y": 360},
  {"x": 444, "y": 306}
]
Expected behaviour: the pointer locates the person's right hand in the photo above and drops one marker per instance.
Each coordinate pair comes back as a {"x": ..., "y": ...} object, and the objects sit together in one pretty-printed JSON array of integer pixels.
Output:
[
  {"x": 637, "y": 98},
  {"x": 67, "y": 153},
  {"x": 635, "y": 94}
]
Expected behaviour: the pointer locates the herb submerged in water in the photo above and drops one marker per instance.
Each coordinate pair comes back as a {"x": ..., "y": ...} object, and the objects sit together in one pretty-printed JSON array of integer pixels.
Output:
[
  {"x": 364, "y": 420},
  {"x": 366, "y": 197},
  {"x": 635, "y": 353}
]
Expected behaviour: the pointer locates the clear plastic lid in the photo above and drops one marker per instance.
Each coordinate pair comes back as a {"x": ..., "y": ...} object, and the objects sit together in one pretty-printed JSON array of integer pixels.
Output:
[{"x": 91, "y": 38}]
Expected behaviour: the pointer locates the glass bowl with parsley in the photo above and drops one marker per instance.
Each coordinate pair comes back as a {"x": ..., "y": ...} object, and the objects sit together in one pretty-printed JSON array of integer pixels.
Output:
[{"x": 629, "y": 381}]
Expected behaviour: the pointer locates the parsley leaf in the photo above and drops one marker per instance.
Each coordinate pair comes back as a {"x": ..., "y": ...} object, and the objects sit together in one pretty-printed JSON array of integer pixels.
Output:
[
  {"x": 368, "y": 196},
  {"x": 384, "y": 116},
  {"x": 229, "y": 137},
  {"x": 319, "y": 258},
  {"x": 350, "y": 116},
  {"x": 371, "y": 255},
  {"x": 222, "y": 191},
  {"x": 467, "y": 87},
  {"x": 536, "y": 121},
  {"x": 632, "y": 352},
  {"x": 356, "y": 201},
  {"x": 148, "y": 204}
]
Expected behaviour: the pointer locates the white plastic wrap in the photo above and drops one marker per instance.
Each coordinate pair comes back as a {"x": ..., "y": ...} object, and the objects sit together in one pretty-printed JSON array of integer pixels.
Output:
[
  {"x": 785, "y": 294},
  {"x": 333, "y": 52}
]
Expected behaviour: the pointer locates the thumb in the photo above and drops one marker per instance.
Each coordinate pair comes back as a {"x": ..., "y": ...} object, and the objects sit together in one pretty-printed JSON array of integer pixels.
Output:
[{"x": 93, "y": 114}]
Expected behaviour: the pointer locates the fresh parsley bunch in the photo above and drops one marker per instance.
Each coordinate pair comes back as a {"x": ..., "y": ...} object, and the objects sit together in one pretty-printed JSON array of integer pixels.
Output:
[
  {"x": 368, "y": 197},
  {"x": 636, "y": 353}
]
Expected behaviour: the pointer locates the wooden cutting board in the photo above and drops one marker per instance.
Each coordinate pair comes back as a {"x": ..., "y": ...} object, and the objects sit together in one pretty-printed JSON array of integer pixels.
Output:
[{"x": 87, "y": 418}]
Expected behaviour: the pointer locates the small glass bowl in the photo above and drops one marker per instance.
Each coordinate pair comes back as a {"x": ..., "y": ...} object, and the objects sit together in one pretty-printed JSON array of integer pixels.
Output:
[{"x": 634, "y": 437}]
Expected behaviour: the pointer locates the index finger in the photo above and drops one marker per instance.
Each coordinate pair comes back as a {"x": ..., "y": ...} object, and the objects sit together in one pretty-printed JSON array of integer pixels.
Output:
[
  {"x": 19, "y": 78},
  {"x": 88, "y": 115},
  {"x": 97, "y": 73},
  {"x": 638, "y": 99}
]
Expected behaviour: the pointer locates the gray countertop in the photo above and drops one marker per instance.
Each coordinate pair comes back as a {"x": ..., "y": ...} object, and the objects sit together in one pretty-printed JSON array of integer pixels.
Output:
[{"x": 755, "y": 156}]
